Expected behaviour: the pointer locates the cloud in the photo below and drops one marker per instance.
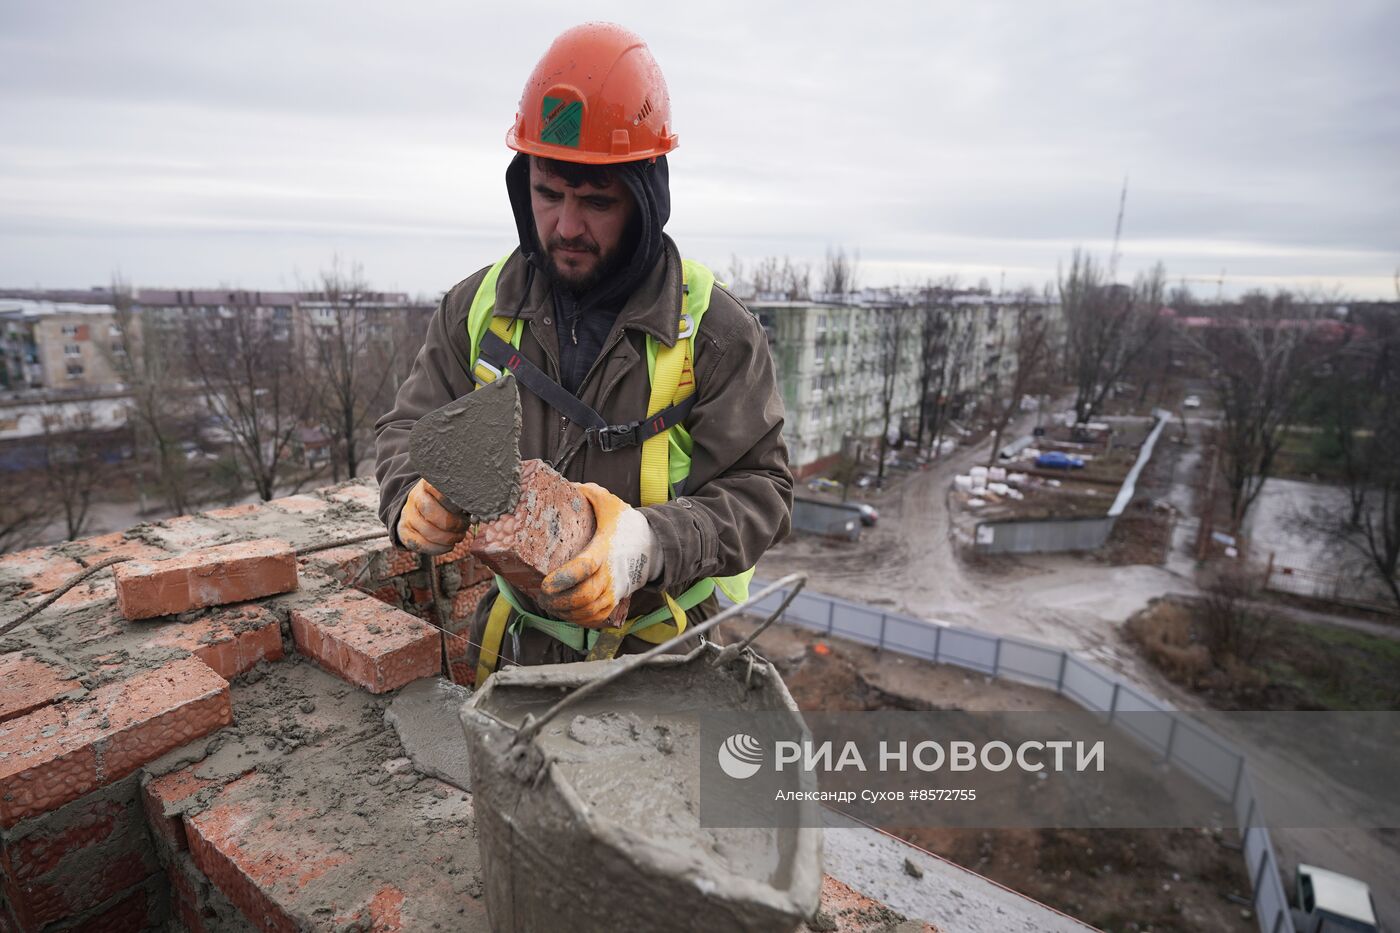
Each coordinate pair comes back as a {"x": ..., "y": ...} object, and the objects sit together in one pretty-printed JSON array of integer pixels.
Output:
[{"x": 163, "y": 138}]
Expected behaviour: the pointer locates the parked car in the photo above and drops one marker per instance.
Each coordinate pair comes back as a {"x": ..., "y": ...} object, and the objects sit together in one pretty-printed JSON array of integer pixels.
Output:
[
  {"x": 1325, "y": 901},
  {"x": 1191, "y": 401},
  {"x": 823, "y": 484},
  {"x": 1055, "y": 460},
  {"x": 869, "y": 515}
]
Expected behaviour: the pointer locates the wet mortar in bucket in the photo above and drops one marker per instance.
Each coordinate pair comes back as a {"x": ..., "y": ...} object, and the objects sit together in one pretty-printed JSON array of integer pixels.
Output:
[{"x": 597, "y": 816}]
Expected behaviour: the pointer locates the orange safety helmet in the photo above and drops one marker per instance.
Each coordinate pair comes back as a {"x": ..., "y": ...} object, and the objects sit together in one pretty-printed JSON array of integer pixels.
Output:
[{"x": 598, "y": 97}]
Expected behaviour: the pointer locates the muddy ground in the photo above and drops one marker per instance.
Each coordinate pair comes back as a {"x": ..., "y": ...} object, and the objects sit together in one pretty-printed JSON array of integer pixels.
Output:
[{"x": 1116, "y": 880}]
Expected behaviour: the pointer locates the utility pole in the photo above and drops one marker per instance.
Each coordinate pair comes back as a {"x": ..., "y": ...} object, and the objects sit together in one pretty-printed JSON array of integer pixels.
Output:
[{"x": 1117, "y": 234}]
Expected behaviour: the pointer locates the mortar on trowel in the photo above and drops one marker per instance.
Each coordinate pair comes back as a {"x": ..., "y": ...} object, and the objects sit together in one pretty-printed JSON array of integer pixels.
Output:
[
  {"x": 469, "y": 449},
  {"x": 589, "y": 820}
]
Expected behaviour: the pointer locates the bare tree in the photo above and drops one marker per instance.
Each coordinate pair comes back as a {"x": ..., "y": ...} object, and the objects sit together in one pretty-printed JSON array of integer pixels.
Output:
[
  {"x": 891, "y": 335},
  {"x": 782, "y": 277},
  {"x": 1030, "y": 346},
  {"x": 1358, "y": 415},
  {"x": 23, "y": 511},
  {"x": 1108, "y": 326},
  {"x": 252, "y": 375},
  {"x": 353, "y": 348},
  {"x": 944, "y": 348},
  {"x": 1264, "y": 356},
  {"x": 840, "y": 272},
  {"x": 147, "y": 354},
  {"x": 72, "y": 462}
]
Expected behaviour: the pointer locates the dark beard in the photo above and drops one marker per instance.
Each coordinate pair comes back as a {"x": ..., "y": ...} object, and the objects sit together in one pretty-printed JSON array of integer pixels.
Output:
[{"x": 578, "y": 288}]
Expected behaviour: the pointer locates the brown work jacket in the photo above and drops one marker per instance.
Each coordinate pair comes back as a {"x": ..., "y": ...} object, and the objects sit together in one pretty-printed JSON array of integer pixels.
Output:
[{"x": 738, "y": 497}]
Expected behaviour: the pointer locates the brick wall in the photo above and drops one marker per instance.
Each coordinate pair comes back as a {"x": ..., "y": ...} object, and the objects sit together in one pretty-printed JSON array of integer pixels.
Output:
[{"x": 111, "y": 817}]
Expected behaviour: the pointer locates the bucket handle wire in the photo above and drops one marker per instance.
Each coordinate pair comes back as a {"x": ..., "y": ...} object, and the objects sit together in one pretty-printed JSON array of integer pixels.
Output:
[{"x": 531, "y": 726}]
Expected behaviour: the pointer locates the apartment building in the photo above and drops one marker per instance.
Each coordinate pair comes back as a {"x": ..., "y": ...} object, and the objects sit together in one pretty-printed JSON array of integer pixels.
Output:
[
  {"x": 69, "y": 340},
  {"x": 58, "y": 345},
  {"x": 834, "y": 358}
]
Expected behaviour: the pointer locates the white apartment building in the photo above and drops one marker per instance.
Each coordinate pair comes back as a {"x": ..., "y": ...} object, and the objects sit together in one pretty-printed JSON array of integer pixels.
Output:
[{"x": 830, "y": 359}]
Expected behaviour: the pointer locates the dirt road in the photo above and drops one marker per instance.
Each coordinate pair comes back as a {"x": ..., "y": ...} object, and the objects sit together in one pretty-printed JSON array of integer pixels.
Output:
[{"x": 907, "y": 563}]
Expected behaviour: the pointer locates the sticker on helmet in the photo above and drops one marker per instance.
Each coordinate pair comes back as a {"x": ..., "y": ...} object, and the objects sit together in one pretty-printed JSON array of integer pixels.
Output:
[{"x": 560, "y": 121}]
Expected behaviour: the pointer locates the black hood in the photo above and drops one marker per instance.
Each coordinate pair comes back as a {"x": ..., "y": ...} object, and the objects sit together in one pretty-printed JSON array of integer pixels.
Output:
[{"x": 650, "y": 184}]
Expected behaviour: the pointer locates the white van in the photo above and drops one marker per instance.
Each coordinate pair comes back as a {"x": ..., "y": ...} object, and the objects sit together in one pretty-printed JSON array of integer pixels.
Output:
[{"x": 1331, "y": 903}]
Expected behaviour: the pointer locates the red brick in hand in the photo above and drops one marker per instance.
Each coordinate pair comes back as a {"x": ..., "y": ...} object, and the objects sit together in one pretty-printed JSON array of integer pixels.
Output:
[
  {"x": 212, "y": 577},
  {"x": 551, "y": 523},
  {"x": 367, "y": 642},
  {"x": 59, "y": 753}
]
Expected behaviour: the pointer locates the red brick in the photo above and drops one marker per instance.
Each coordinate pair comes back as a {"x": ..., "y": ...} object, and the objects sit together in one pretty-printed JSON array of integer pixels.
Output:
[
  {"x": 187, "y": 532},
  {"x": 135, "y": 911},
  {"x": 348, "y": 566},
  {"x": 116, "y": 544},
  {"x": 367, "y": 642},
  {"x": 356, "y": 495},
  {"x": 41, "y": 569},
  {"x": 99, "y": 588},
  {"x": 231, "y": 641},
  {"x": 300, "y": 505},
  {"x": 78, "y": 860},
  {"x": 551, "y": 523},
  {"x": 401, "y": 562},
  {"x": 28, "y": 683},
  {"x": 389, "y": 594},
  {"x": 59, "y": 753},
  {"x": 163, "y": 798},
  {"x": 473, "y": 571},
  {"x": 36, "y": 903},
  {"x": 211, "y": 577},
  {"x": 37, "y": 846},
  {"x": 252, "y": 854},
  {"x": 235, "y": 511},
  {"x": 464, "y": 604}
]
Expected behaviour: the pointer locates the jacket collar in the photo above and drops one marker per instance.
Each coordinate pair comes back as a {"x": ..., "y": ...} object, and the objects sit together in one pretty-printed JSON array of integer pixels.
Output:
[{"x": 653, "y": 308}]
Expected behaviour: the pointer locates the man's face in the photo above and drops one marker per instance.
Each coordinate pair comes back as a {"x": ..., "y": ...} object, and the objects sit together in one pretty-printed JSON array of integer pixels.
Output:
[{"x": 581, "y": 228}]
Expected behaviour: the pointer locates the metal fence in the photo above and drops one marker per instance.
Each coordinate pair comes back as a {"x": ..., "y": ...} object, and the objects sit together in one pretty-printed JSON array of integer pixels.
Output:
[
  {"x": 1355, "y": 586},
  {"x": 1050, "y": 535},
  {"x": 1198, "y": 752}
]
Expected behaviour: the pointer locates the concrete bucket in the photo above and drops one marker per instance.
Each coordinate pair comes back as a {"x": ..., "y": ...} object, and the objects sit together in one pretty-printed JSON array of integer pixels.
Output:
[{"x": 589, "y": 821}]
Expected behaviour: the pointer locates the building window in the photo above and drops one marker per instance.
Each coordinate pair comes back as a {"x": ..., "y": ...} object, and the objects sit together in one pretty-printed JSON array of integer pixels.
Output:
[
  {"x": 114, "y": 330},
  {"x": 75, "y": 370},
  {"x": 118, "y": 348},
  {"x": 70, "y": 330},
  {"x": 72, "y": 349}
]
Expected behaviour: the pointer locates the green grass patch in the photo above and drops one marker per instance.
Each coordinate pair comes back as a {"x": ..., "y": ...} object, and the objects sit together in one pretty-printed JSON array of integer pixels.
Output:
[{"x": 1334, "y": 668}]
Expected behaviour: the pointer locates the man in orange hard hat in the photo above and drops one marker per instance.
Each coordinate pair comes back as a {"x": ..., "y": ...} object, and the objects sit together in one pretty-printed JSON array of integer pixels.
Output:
[{"x": 648, "y": 382}]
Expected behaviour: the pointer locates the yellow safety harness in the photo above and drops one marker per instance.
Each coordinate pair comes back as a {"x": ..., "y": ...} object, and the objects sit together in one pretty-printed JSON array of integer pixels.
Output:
[{"x": 665, "y": 443}]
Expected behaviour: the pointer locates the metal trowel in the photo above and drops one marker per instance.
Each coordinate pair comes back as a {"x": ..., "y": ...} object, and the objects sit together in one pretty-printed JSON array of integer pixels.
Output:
[{"x": 470, "y": 449}]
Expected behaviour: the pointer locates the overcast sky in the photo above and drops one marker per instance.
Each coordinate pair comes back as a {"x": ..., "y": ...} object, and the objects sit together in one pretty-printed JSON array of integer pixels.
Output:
[{"x": 248, "y": 143}]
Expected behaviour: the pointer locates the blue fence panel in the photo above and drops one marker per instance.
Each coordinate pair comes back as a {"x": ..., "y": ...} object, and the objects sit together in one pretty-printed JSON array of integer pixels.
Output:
[
  {"x": 913, "y": 637},
  {"x": 1087, "y": 686},
  {"x": 1203, "y": 754},
  {"x": 858, "y": 623},
  {"x": 1033, "y": 664},
  {"x": 968, "y": 649}
]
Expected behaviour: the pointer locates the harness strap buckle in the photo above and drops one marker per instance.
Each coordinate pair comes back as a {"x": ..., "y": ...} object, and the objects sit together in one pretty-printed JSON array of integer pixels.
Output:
[
  {"x": 616, "y": 436},
  {"x": 687, "y": 327}
]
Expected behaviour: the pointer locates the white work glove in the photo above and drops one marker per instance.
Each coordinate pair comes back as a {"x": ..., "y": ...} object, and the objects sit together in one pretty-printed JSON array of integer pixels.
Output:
[
  {"x": 429, "y": 523},
  {"x": 620, "y": 559}
]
